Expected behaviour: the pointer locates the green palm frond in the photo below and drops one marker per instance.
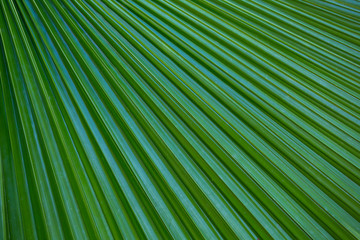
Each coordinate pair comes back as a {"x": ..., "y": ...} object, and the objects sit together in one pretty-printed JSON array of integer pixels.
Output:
[{"x": 180, "y": 119}]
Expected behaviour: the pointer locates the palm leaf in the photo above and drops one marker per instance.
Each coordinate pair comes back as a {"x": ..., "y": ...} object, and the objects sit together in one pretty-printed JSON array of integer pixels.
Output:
[{"x": 161, "y": 119}]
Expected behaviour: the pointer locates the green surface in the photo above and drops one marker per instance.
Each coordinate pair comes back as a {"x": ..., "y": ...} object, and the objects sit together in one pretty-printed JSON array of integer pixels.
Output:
[{"x": 159, "y": 119}]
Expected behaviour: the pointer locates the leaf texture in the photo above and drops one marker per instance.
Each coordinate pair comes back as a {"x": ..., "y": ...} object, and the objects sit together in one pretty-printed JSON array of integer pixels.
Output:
[{"x": 180, "y": 119}]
